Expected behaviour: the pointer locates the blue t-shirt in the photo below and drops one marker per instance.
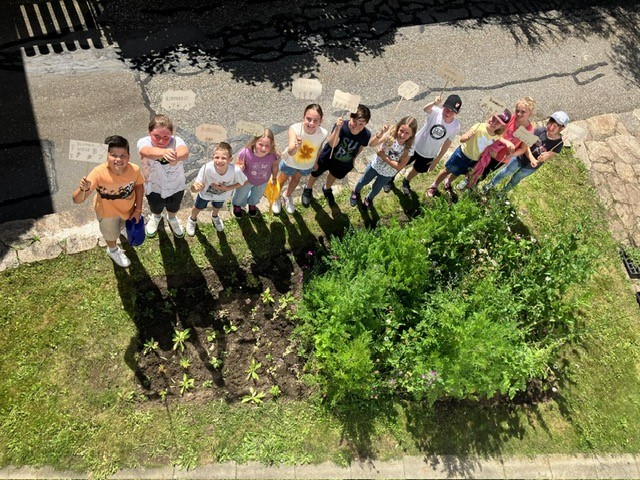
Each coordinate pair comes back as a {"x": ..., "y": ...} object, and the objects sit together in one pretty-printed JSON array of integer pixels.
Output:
[
  {"x": 348, "y": 145},
  {"x": 545, "y": 144}
]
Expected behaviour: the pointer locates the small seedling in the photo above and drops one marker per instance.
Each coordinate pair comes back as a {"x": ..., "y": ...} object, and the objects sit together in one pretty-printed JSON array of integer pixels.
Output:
[
  {"x": 255, "y": 328},
  {"x": 266, "y": 296},
  {"x": 185, "y": 363},
  {"x": 211, "y": 336},
  {"x": 275, "y": 391},
  {"x": 229, "y": 328},
  {"x": 215, "y": 362},
  {"x": 163, "y": 394},
  {"x": 180, "y": 337},
  {"x": 254, "y": 397},
  {"x": 207, "y": 383},
  {"x": 150, "y": 346},
  {"x": 186, "y": 383},
  {"x": 252, "y": 371}
]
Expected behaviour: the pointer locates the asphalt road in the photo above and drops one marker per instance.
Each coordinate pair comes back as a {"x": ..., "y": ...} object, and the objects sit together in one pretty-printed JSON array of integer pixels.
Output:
[{"x": 103, "y": 69}]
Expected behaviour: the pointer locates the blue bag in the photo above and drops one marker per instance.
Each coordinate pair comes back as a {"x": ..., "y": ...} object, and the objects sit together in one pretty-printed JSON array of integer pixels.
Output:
[{"x": 135, "y": 232}]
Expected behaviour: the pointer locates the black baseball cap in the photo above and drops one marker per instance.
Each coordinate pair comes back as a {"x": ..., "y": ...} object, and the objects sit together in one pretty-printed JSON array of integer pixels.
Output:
[{"x": 453, "y": 102}]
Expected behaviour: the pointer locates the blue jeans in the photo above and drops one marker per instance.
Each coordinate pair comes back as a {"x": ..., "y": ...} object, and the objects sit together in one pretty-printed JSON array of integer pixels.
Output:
[
  {"x": 248, "y": 193},
  {"x": 513, "y": 169},
  {"x": 367, "y": 177}
]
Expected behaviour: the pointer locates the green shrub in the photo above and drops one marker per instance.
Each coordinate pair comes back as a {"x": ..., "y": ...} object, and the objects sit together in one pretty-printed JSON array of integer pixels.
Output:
[{"x": 455, "y": 304}]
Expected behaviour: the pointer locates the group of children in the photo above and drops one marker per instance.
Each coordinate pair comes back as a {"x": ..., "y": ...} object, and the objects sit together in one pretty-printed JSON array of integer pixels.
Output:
[{"x": 311, "y": 151}]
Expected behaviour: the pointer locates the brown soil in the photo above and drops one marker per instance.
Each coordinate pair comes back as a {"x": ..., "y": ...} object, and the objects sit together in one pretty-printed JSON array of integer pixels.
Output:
[{"x": 234, "y": 326}]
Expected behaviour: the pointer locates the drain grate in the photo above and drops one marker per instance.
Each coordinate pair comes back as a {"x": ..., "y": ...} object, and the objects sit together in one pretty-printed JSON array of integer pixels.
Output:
[{"x": 60, "y": 25}]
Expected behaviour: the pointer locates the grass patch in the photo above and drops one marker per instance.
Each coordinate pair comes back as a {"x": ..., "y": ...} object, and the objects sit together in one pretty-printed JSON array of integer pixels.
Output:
[{"x": 69, "y": 397}]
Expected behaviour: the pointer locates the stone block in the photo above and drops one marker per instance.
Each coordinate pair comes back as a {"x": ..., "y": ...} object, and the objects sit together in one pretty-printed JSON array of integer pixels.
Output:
[
  {"x": 19, "y": 233},
  {"x": 625, "y": 172},
  {"x": 8, "y": 258},
  {"x": 616, "y": 466},
  {"x": 80, "y": 243},
  {"x": 573, "y": 466},
  {"x": 626, "y": 149},
  {"x": 631, "y": 122},
  {"x": 40, "y": 249},
  {"x": 602, "y": 126},
  {"x": 599, "y": 152},
  {"x": 583, "y": 154}
]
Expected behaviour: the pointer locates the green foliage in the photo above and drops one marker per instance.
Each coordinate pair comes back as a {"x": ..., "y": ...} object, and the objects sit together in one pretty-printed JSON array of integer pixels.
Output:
[
  {"x": 252, "y": 371},
  {"x": 180, "y": 337},
  {"x": 254, "y": 397},
  {"x": 187, "y": 383},
  {"x": 455, "y": 304}
]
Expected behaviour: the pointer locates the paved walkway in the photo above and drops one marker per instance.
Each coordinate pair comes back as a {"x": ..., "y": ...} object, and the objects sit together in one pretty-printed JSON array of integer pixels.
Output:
[{"x": 540, "y": 466}]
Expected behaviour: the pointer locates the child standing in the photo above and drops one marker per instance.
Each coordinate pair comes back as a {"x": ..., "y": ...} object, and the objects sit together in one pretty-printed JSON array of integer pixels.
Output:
[
  {"x": 258, "y": 161},
  {"x": 433, "y": 139},
  {"x": 161, "y": 155},
  {"x": 548, "y": 145},
  {"x": 392, "y": 157},
  {"x": 120, "y": 189},
  {"x": 305, "y": 140},
  {"x": 215, "y": 183},
  {"x": 346, "y": 141},
  {"x": 474, "y": 142}
]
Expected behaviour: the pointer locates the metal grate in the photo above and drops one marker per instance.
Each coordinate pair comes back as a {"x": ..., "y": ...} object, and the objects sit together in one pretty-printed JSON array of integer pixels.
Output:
[{"x": 60, "y": 25}]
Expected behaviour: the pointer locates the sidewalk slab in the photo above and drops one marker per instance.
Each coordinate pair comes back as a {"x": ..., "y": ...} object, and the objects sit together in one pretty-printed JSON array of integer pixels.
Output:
[
  {"x": 326, "y": 470},
  {"x": 257, "y": 470},
  {"x": 573, "y": 466},
  {"x": 376, "y": 469},
  {"x": 536, "y": 467},
  {"x": 30, "y": 473},
  {"x": 210, "y": 471},
  {"x": 161, "y": 473},
  {"x": 449, "y": 466},
  {"x": 617, "y": 466}
]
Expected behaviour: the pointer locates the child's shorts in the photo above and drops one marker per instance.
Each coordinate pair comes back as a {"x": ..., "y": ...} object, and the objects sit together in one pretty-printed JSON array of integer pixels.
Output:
[
  {"x": 459, "y": 163},
  {"x": 335, "y": 167},
  {"x": 289, "y": 171},
  {"x": 420, "y": 163},
  {"x": 110, "y": 227},
  {"x": 157, "y": 203},
  {"x": 201, "y": 203}
]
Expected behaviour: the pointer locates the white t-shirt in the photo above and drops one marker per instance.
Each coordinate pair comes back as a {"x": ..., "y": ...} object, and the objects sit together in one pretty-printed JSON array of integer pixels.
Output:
[
  {"x": 209, "y": 176},
  {"x": 160, "y": 177},
  {"x": 434, "y": 133},
  {"x": 394, "y": 152},
  {"x": 306, "y": 155}
]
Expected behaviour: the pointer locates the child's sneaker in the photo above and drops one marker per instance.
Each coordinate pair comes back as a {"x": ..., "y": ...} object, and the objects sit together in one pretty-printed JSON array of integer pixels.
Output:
[
  {"x": 152, "y": 225},
  {"x": 119, "y": 257},
  {"x": 387, "y": 186},
  {"x": 288, "y": 205},
  {"x": 368, "y": 203},
  {"x": 354, "y": 199},
  {"x": 432, "y": 192},
  {"x": 217, "y": 222},
  {"x": 463, "y": 184},
  {"x": 307, "y": 196},
  {"x": 237, "y": 211},
  {"x": 277, "y": 206},
  {"x": 485, "y": 188},
  {"x": 253, "y": 210},
  {"x": 328, "y": 194},
  {"x": 191, "y": 226},
  {"x": 175, "y": 226},
  {"x": 406, "y": 188}
]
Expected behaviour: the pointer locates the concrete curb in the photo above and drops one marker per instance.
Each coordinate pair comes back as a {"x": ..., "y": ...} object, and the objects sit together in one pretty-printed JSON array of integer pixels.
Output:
[{"x": 597, "y": 466}]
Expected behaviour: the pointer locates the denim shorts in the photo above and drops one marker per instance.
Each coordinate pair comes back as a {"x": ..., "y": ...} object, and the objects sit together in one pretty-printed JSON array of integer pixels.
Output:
[
  {"x": 201, "y": 203},
  {"x": 289, "y": 171},
  {"x": 459, "y": 163}
]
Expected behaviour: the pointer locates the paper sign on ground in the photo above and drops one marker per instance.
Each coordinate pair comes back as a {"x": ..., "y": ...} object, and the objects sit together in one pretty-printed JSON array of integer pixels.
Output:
[
  {"x": 451, "y": 75},
  {"x": 493, "y": 105},
  {"x": 306, "y": 88},
  {"x": 87, "y": 151},
  {"x": 248, "y": 128},
  {"x": 526, "y": 136},
  {"x": 211, "y": 133},
  {"x": 178, "y": 99},
  {"x": 573, "y": 133},
  {"x": 346, "y": 101},
  {"x": 408, "y": 90}
]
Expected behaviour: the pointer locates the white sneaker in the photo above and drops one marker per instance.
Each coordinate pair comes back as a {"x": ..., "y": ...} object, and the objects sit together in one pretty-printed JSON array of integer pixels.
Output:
[
  {"x": 152, "y": 225},
  {"x": 276, "y": 207},
  {"x": 191, "y": 226},
  {"x": 119, "y": 257},
  {"x": 463, "y": 184},
  {"x": 175, "y": 226},
  {"x": 217, "y": 222},
  {"x": 288, "y": 204}
]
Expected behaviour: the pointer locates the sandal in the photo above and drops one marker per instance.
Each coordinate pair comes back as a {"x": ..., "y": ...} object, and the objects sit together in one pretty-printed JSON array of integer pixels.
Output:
[{"x": 432, "y": 192}]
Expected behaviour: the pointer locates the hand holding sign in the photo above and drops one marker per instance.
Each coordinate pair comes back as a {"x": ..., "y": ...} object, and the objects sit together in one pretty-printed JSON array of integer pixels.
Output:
[
  {"x": 211, "y": 133},
  {"x": 450, "y": 75},
  {"x": 248, "y": 128},
  {"x": 407, "y": 90},
  {"x": 178, "y": 99},
  {"x": 346, "y": 101},
  {"x": 493, "y": 105},
  {"x": 89, "y": 152},
  {"x": 306, "y": 88},
  {"x": 573, "y": 133},
  {"x": 525, "y": 136}
]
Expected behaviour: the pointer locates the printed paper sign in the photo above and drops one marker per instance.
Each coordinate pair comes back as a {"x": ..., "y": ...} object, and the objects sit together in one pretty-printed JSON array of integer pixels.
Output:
[
  {"x": 178, "y": 99},
  {"x": 87, "y": 151},
  {"x": 526, "y": 136},
  {"x": 306, "y": 88},
  {"x": 493, "y": 105},
  {"x": 573, "y": 133},
  {"x": 408, "y": 90},
  {"x": 211, "y": 133},
  {"x": 451, "y": 75},
  {"x": 248, "y": 128},
  {"x": 346, "y": 101}
]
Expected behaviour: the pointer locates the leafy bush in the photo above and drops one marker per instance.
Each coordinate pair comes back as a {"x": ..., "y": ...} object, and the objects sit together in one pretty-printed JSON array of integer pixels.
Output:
[{"x": 455, "y": 304}]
